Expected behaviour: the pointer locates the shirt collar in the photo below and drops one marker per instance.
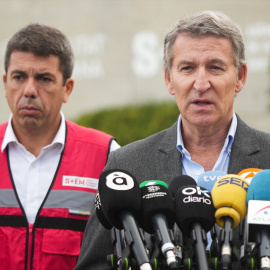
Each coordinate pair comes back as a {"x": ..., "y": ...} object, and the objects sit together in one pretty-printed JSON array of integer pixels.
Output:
[
  {"x": 11, "y": 137},
  {"x": 228, "y": 141}
]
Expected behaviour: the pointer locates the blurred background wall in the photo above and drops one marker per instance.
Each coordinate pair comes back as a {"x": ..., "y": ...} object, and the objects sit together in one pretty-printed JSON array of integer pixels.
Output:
[{"x": 118, "y": 49}]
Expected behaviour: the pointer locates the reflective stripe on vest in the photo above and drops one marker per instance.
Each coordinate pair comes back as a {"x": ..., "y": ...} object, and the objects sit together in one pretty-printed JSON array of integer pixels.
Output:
[{"x": 8, "y": 198}]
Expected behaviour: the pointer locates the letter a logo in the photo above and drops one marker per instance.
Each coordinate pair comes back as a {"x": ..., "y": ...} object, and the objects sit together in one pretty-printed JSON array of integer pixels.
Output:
[{"x": 119, "y": 181}]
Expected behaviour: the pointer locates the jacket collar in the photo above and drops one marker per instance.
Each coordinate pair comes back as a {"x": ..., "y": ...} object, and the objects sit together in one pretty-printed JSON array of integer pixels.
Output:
[{"x": 244, "y": 147}]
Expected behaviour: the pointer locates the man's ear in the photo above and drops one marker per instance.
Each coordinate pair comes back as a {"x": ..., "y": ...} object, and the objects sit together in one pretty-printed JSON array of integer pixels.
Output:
[
  {"x": 5, "y": 81},
  {"x": 241, "y": 78},
  {"x": 68, "y": 89},
  {"x": 169, "y": 85}
]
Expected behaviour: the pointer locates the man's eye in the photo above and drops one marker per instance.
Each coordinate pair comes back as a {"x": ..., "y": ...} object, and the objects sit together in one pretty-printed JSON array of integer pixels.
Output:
[
  {"x": 44, "y": 79},
  {"x": 186, "y": 68},
  {"x": 17, "y": 77},
  {"x": 215, "y": 68}
]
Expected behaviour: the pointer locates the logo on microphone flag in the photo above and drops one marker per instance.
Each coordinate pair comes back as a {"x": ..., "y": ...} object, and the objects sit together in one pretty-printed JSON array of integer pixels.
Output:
[
  {"x": 249, "y": 173},
  {"x": 258, "y": 212},
  {"x": 258, "y": 216},
  {"x": 119, "y": 181}
]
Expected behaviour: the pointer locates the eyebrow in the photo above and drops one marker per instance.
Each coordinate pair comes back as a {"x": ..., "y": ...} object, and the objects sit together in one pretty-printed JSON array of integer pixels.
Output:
[{"x": 17, "y": 71}]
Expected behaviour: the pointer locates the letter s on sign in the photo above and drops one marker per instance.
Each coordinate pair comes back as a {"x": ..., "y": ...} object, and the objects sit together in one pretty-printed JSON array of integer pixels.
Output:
[
  {"x": 223, "y": 181},
  {"x": 147, "y": 54}
]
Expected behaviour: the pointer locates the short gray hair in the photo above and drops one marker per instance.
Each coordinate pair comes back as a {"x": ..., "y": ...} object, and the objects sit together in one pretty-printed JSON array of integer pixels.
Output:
[{"x": 205, "y": 23}]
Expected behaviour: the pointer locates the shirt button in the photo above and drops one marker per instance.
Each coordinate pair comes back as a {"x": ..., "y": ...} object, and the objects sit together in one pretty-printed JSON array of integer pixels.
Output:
[
  {"x": 34, "y": 165},
  {"x": 184, "y": 151},
  {"x": 198, "y": 173}
]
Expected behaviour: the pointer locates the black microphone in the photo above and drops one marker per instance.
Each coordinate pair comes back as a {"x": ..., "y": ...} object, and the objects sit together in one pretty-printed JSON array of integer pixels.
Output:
[
  {"x": 157, "y": 216},
  {"x": 176, "y": 183},
  {"x": 99, "y": 212},
  {"x": 116, "y": 235},
  {"x": 195, "y": 215},
  {"x": 121, "y": 204},
  {"x": 180, "y": 181}
]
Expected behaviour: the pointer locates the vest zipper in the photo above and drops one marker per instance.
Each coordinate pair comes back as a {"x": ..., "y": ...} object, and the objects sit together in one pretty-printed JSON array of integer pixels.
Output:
[{"x": 30, "y": 246}]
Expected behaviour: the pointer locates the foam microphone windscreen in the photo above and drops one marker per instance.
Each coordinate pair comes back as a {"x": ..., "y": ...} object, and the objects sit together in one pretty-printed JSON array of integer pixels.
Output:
[
  {"x": 180, "y": 181},
  {"x": 229, "y": 197},
  {"x": 249, "y": 173},
  {"x": 99, "y": 212},
  {"x": 119, "y": 191},
  {"x": 156, "y": 199},
  {"x": 193, "y": 204},
  {"x": 259, "y": 188},
  {"x": 208, "y": 179}
]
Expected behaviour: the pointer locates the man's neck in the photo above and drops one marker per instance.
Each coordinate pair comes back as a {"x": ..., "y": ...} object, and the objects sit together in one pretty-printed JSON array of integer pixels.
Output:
[
  {"x": 204, "y": 145},
  {"x": 35, "y": 139}
]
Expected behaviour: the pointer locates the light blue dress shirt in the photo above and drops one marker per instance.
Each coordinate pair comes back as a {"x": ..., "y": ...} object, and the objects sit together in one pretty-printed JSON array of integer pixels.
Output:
[{"x": 194, "y": 169}]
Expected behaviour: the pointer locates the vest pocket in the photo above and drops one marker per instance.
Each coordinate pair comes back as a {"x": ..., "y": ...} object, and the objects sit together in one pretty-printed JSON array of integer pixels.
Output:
[{"x": 60, "y": 248}]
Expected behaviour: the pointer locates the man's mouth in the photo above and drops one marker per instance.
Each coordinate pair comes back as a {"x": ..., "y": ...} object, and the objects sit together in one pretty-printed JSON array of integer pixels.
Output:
[{"x": 201, "y": 103}]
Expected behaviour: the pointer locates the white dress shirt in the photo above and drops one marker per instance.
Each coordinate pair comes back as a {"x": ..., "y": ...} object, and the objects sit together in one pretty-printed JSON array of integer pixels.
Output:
[{"x": 33, "y": 175}]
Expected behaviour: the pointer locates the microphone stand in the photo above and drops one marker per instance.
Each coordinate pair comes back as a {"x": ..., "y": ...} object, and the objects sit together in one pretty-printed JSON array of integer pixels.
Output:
[
  {"x": 226, "y": 240},
  {"x": 132, "y": 233},
  {"x": 164, "y": 239},
  {"x": 264, "y": 249},
  {"x": 118, "y": 242},
  {"x": 199, "y": 241}
]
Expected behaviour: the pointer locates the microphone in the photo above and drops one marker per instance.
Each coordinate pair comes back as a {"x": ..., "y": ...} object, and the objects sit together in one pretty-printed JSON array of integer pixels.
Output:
[
  {"x": 208, "y": 179},
  {"x": 194, "y": 215},
  {"x": 180, "y": 181},
  {"x": 157, "y": 216},
  {"x": 116, "y": 235},
  {"x": 229, "y": 198},
  {"x": 258, "y": 219},
  {"x": 176, "y": 183},
  {"x": 249, "y": 173},
  {"x": 99, "y": 212},
  {"x": 121, "y": 204}
]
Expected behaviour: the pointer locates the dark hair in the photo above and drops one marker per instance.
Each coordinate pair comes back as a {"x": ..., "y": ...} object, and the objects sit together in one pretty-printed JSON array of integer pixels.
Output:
[
  {"x": 42, "y": 40},
  {"x": 203, "y": 24}
]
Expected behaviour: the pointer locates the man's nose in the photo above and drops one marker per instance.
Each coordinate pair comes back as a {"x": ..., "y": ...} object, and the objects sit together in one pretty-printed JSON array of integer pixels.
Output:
[
  {"x": 30, "y": 89},
  {"x": 201, "y": 82}
]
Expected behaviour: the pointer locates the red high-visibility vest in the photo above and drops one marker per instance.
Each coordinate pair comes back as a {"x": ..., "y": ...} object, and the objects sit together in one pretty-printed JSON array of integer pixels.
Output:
[{"x": 54, "y": 240}]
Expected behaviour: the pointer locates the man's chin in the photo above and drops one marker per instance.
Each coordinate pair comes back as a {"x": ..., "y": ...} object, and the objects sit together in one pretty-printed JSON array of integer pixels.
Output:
[
  {"x": 203, "y": 121},
  {"x": 30, "y": 123}
]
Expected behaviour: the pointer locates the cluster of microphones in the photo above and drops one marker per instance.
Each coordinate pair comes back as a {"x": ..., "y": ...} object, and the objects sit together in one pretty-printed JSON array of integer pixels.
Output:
[{"x": 144, "y": 220}]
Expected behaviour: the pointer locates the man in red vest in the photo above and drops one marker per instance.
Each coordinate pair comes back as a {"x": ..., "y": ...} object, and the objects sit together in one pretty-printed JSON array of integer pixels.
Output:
[{"x": 49, "y": 166}]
